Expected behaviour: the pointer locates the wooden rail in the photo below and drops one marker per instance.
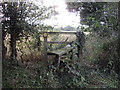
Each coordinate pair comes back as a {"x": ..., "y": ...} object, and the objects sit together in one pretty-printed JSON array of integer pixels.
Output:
[{"x": 65, "y": 32}]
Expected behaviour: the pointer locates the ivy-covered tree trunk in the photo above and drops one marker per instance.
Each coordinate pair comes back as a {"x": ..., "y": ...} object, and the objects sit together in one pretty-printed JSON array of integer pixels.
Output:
[{"x": 13, "y": 46}]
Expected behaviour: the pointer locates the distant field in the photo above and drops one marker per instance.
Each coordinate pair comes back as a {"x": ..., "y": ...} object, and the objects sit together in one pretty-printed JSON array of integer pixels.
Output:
[{"x": 62, "y": 37}]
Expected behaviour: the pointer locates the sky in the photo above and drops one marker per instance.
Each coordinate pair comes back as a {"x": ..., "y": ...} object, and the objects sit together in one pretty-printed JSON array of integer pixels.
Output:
[{"x": 64, "y": 18}]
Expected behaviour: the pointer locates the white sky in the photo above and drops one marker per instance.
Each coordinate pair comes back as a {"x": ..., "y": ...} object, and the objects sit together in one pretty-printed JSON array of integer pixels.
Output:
[{"x": 64, "y": 18}]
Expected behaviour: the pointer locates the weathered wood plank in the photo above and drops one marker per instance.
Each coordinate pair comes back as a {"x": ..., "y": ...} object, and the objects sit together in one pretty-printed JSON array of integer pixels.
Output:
[{"x": 60, "y": 52}]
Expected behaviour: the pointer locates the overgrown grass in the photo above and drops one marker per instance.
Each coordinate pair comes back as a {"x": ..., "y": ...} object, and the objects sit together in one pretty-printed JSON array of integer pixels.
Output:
[{"x": 102, "y": 51}]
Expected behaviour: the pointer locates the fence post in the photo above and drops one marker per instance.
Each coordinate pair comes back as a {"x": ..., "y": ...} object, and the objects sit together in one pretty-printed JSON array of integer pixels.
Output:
[
  {"x": 45, "y": 46},
  {"x": 80, "y": 42}
]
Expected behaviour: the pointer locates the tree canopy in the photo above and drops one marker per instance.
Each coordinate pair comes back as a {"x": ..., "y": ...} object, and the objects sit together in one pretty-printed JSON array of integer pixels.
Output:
[{"x": 99, "y": 16}]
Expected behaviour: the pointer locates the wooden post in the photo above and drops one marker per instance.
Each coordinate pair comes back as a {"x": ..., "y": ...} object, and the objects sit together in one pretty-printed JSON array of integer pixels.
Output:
[
  {"x": 80, "y": 43},
  {"x": 58, "y": 62},
  {"x": 45, "y": 46}
]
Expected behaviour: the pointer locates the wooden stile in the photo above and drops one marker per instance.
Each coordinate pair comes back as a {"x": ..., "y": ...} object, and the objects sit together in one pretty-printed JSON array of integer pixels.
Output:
[{"x": 58, "y": 52}]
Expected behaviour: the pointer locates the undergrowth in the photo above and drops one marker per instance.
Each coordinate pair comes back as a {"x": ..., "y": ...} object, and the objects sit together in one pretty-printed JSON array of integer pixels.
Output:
[
  {"x": 34, "y": 75},
  {"x": 102, "y": 51}
]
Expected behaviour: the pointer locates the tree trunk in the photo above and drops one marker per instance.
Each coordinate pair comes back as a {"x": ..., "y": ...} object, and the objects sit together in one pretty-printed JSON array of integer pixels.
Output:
[
  {"x": 13, "y": 46},
  {"x": 4, "y": 49},
  {"x": 38, "y": 43}
]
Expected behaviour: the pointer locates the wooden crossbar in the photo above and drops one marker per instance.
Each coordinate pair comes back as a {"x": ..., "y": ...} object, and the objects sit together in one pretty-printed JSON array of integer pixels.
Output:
[{"x": 66, "y": 32}]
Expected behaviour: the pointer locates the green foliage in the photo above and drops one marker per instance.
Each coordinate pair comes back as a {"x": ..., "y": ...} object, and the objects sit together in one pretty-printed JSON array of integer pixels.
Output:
[
  {"x": 101, "y": 17},
  {"x": 79, "y": 83}
]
